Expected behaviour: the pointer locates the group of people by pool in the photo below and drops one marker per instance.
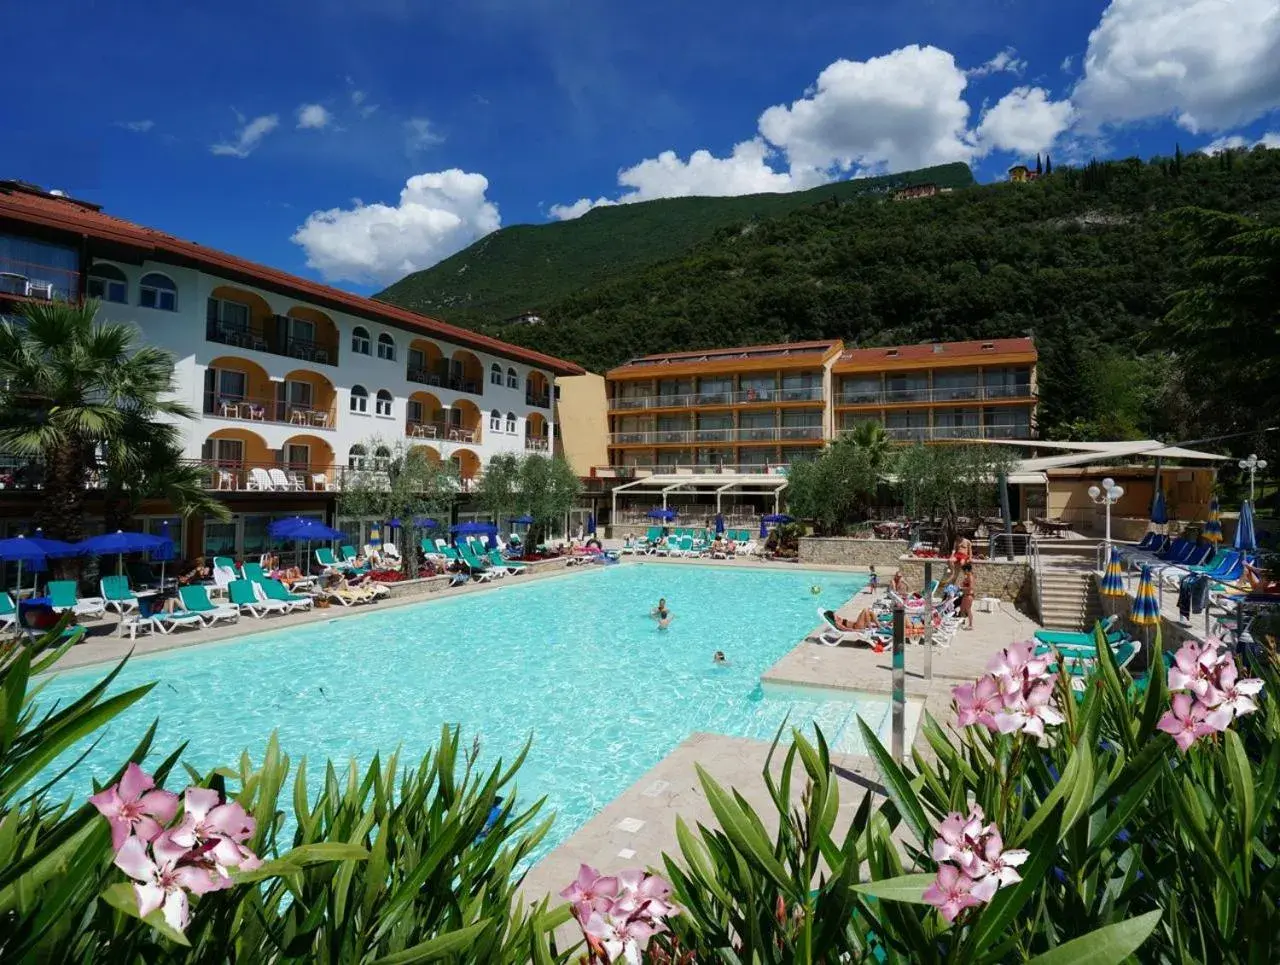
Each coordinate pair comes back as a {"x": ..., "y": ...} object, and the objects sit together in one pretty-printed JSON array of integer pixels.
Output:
[{"x": 957, "y": 582}]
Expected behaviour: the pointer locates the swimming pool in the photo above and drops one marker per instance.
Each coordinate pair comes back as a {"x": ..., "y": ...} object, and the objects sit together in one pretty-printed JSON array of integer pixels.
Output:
[{"x": 575, "y": 661}]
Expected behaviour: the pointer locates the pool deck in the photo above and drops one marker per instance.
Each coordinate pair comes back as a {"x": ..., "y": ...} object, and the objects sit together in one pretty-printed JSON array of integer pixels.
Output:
[{"x": 638, "y": 826}]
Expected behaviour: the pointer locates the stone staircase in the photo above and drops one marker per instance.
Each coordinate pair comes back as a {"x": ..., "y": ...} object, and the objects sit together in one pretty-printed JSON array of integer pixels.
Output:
[{"x": 1068, "y": 598}]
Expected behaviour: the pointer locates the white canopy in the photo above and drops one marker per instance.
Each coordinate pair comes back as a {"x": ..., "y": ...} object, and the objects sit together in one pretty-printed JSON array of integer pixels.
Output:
[{"x": 709, "y": 483}]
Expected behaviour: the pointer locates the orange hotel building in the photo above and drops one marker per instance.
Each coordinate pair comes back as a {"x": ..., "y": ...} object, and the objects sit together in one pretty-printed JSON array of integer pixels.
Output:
[{"x": 761, "y": 406}]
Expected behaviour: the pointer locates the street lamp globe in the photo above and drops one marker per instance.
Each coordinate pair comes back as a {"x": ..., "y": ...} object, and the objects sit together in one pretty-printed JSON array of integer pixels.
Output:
[
  {"x": 1108, "y": 484},
  {"x": 1095, "y": 493},
  {"x": 1115, "y": 492}
]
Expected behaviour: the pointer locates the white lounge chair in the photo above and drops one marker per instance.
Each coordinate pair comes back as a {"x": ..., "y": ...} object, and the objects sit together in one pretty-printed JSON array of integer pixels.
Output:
[
  {"x": 260, "y": 480},
  {"x": 244, "y": 598},
  {"x": 833, "y": 636},
  {"x": 284, "y": 483},
  {"x": 391, "y": 552}
]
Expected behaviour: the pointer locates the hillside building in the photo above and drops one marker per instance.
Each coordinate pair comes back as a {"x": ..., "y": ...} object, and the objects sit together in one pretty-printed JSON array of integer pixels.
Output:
[{"x": 292, "y": 381}]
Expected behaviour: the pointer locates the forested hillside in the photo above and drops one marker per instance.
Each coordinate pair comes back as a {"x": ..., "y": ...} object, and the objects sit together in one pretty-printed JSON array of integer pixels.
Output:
[{"x": 531, "y": 267}]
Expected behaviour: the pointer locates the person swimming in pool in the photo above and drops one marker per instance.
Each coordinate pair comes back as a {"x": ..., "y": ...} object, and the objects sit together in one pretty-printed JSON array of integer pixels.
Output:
[
  {"x": 662, "y": 614},
  {"x": 719, "y": 659}
]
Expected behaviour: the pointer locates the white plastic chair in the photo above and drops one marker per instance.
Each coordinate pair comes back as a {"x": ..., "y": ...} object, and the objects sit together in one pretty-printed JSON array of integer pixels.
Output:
[
  {"x": 282, "y": 483},
  {"x": 259, "y": 479}
]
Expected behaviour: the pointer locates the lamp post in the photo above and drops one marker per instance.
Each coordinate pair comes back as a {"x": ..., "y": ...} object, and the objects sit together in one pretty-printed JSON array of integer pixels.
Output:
[
  {"x": 1252, "y": 464},
  {"x": 1107, "y": 496}
]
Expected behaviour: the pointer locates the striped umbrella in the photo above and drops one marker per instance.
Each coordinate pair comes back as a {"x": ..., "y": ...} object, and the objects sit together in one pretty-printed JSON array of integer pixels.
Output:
[
  {"x": 1246, "y": 540},
  {"x": 1146, "y": 608},
  {"x": 1212, "y": 532},
  {"x": 1113, "y": 579}
]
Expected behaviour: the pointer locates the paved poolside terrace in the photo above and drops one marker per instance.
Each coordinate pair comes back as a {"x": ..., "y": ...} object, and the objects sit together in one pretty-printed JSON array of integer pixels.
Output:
[{"x": 638, "y": 826}]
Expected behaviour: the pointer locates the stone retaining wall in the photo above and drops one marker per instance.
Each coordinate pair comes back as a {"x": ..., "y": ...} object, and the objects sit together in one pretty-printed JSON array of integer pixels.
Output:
[
  {"x": 843, "y": 551},
  {"x": 409, "y": 589},
  {"x": 1006, "y": 581}
]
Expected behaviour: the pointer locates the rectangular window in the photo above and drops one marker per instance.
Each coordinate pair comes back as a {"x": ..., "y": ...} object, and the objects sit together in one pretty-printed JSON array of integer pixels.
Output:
[
  {"x": 256, "y": 538},
  {"x": 28, "y": 266},
  {"x": 1006, "y": 382},
  {"x": 950, "y": 386},
  {"x": 801, "y": 387},
  {"x": 297, "y": 456},
  {"x": 756, "y": 456},
  {"x": 715, "y": 391},
  {"x": 758, "y": 388},
  {"x": 715, "y": 457},
  {"x": 907, "y": 387},
  {"x": 757, "y": 420},
  {"x": 232, "y": 384},
  {"x": 219, "y": 539},
  {"x": 675, "y": 457},
  {"x": 302, "y": 330},
  {"x": 860, "y": 389},
  {"x": 414, "y": 410}
]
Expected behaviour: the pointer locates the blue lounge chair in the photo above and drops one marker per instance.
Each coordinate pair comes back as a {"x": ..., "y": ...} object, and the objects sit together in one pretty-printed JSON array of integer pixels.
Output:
[
  {"x": 116, "y": 594},
  {"x": 63, "y": 597},
  {"x": 245, "y": 599},
  {"x": 275, "y": 590},
  {"x": 195, "y": 599}
]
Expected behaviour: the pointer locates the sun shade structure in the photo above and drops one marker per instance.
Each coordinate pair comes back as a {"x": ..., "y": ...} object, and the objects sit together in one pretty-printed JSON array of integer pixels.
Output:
[
  {"x": 1113, "y": 579},
  {"x": 303, "y": 528},
  {"x": 717, "y": 484},
  {"x": 1146, "y": 607}
]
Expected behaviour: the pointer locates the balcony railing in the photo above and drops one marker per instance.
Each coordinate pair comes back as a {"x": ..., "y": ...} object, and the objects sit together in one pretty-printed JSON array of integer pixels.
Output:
[
  {"x": 689, "y": 436},
  {"x": 935, "y": 433},
  {"x": 537, "y": 443},
  {"x": 43, "y": 282},
  {"x": 262, "y": 338},
  {"x": 964, "y": 393},
  {"x": 541, "y": 400},
  {"x": 441, "y": 431},
  {"x": 688, "y": 400},
  {"x": 441, "y": 378},
  {"x": 250, "y": 477},
  {"x": 248, "y": 409}
]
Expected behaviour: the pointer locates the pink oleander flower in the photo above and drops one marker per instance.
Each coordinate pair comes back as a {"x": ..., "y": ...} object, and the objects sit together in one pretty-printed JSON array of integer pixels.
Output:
[
  {"x": 641, "y": 893},
  {"x": 135, "y": 807},
  {"x": 590, "y": 891},
  {"x": 1193, "y": 667},
  {"x": 163, "y": 881},
  {"x": 998, "y": 866},
  {"x": 952, "y": 892},
  {"x": 1186, "y": 721},
  {"x": 960, "y": 839},
  {"x": 1017, "y": 694},
  {"x": 622, "y": 938},
  {"x": 216, "y": 830},
  {"x": 1237, "y": 695},
  {"x": 1018, "y": 660},
  {"x": 978, "y": 702}
]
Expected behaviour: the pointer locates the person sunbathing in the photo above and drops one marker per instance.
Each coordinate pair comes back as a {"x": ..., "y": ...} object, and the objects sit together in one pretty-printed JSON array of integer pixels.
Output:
[
  {"x": 866, "y": 620},
  {"x": 1255, "y": 578},
  {"x": 339, "y": 587}
]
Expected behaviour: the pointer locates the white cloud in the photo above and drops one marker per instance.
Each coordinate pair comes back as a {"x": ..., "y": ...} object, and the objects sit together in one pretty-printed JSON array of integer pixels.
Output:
[
  {"x": 1067, "y": 63},
  {"x": 437, "y": 215},
  {"x": 1006, "y": 60},
  {"x": 248, "y": 137},
  {"x": 313, "y": 116},
  {"x": 1211, "y": 64},
  {"x": 1025, "y": 121},
  {"x": 420, "y": 135},
  {"x": 1236, "y": 142},
  {"x": 567, "y": 212},
  {"x": 137, "y": 127}
]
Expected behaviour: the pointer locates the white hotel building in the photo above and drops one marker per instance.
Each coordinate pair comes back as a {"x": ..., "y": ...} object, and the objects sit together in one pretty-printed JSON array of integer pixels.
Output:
[{"x": 294, "y": 383}]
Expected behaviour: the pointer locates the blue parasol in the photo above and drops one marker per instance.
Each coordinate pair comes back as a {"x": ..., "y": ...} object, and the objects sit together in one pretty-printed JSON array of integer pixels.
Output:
[
  {"x": 424, "y": 522},
  {"x": 764, "y": 528},
  {"x": 119, "y": 543},
  {"x": 663, "y": 514},
  {"x": 1159, "y": 513},
  {"x": 719, "y": 524},
  {"x": 1246, "y": 540},
  {"x": 303, "y": 529},
  {"x": 776, "y": 518},
  {"x": 165, "y": 551},
  {"x": 33, "y": 551},
  {"x": 489, "y": 530},
  {"x": 1212, "y": 532},
  {"x": 591, "y": 524}
]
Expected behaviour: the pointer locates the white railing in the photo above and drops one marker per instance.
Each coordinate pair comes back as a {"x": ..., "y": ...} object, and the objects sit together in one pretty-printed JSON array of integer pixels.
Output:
[
  {"x": 689, "y": 436},
  {"x": 688, "y": 400},
  {"x": 957, "y": 393}
]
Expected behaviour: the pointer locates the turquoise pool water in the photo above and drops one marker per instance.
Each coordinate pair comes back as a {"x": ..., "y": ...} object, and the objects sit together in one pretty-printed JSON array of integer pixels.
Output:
[{"x": 576, "y": 662}]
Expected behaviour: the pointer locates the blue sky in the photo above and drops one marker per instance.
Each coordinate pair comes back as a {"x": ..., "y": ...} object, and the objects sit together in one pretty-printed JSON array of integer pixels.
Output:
[{"x": 353, "y": 142}]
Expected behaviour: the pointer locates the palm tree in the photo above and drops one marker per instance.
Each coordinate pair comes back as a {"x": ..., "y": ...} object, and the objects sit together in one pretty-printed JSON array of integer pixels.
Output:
[
  {"x": 872, "y": 437},
  {"x": 86, "y": 400}
]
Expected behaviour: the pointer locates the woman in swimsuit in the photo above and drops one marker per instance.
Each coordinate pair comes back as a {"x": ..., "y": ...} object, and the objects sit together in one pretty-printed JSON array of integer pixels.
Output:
[{"x": 966, "y": 594}]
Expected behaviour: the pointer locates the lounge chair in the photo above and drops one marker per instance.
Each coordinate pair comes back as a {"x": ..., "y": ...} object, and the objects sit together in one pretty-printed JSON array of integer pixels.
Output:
[
  {"x": 325, "y": 557},
  {"x": 244, "y": 598},
  {"x": 1072, "y": 638},
  {"x": 628, "y": 547},
  {"x": 136, "y": 623},
  {"x": 195, "y": 599},
  {"x": 259, "y": 480},
  {"x": 479, "y": 570},
  {"x": 392, "y": 553},
  {"x": 253, "y": 572},
  {"x": 275, "y": 590},
  {"x": 286, "y": 483},
  {"x": 495, "y": 557},
  {"x": 1081, "y": 662},
  {"x": 351, "y": 558},
  {"x": 224, "y": 562},
  {"x": 832, "y": 635},
  {"x": 8, "y": 612},
  {"x": 447, "y": 551},
  {"x": 117, "y": 595},
  {"x": 62, "y": 597}
]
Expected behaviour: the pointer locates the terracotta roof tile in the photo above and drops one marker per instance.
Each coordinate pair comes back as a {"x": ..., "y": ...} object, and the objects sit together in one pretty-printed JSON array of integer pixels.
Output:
[
  {"x": 20, "y": 204},
  {"x": 978, "y": 349}
]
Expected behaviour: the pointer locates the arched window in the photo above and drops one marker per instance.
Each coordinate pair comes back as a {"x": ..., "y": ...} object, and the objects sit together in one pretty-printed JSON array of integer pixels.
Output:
[
  {"x": 107, "y": 283},
  {"x": 495, "y": 420},
  {"x": 513, "y": 380},
  {"x": 511, "y": 422},
  {"x": 381, "y": 457},
  {"x": 359, "y": 399},
  {"x": 158, "y": 291},
  {"x": 386, "y": 347},
  {"x": 382, "y": 405},
  {"x": 356, "y": 457},
  {"x": 495, "y": 374},
  {"x": 360, "y": 340}
]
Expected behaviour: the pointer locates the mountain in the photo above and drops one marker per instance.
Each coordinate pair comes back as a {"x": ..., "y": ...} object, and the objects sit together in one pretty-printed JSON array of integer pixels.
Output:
[{"x": 531, "y": 267}]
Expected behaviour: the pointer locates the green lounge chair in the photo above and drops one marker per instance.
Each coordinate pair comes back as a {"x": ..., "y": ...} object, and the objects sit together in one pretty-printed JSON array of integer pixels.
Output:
[
  {"x": 447, "y": 551},
  {"x": 495, "y": 557},
  {"x": 325, "y": 557},
  {"x": 8, "y": 612},
  {"x": 253, "y": 572},
  {"x": 1064, "y": 638},
  {"x": 195, "y": 599},
  {"x": 349, "y": 557},
  {"x": 224, "y": 562},
  {"x": 275, "y": 590},
  {"x": 1080, "y": 664},
  {"x": 62, "y": 597},
  {"x": 479, "y": 570},
  {"x": 245, "y": 599},
  {"x": 117, "y": 595}
]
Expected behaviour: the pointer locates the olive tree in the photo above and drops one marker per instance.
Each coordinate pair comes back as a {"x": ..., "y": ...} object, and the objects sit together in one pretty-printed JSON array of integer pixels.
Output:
[
  {"x": 548, "y": 489},
  {"x": 945, "y": 481},
  {"x": 835, "y": 489}
]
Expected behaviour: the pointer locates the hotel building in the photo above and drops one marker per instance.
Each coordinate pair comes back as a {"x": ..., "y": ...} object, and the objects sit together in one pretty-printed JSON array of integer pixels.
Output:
[{"x": 294, "y": 383}]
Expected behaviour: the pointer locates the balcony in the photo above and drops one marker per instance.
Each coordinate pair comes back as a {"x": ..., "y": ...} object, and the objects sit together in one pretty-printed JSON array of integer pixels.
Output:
[
  {"x": 537, "y": 444},
  {"x": 968, "y": 393},
  {"x": 260, "y": 338},
  {"x": 541, "y": 400},
  {"x": 266, "y": 477},
  {"x": 691, "y": 400},
  {"x": 268, "y": 410},
  {"x": 22, "y": 279},
  {"x": 440, "y": 377},
  {"x": 441, "y": 432},
  {"x": 716, "y": 436},
  {"x": 940, "y": 433}
]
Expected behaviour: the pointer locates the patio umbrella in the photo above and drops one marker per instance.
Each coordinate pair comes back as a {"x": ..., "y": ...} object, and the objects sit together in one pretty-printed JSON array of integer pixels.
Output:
[
  {"x": 776, "y": 518},
  {"x": 591, "y": 524},
  {"x": 489, "y": 530},
  {"x": 1212, "y": 532},
  {"x": 303, "y": 530},
  {"x": 423, "y": 522},
  {"x": 375, "y": 536},
  {"x": 1246, "y": 541},
  {"x": 1159, "y": 513},
  {"x": 1113, "y": 579},
  {"x": 119, "y": 543},
  {"x": 764, "y": 528},
  {"x": 165, "y": 551},
  {"x": 719, "y": 524},
  {"x": 1146, "y": 608},
  {"x": 663, "y": 513},
  {"x": 33, "y": 550},
  {"x": 525, "y": 520}
]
